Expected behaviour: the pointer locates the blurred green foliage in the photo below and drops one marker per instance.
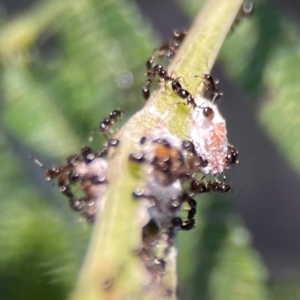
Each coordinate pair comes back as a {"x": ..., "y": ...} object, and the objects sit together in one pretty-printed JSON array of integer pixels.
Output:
[{"x": 61, "y": 71}]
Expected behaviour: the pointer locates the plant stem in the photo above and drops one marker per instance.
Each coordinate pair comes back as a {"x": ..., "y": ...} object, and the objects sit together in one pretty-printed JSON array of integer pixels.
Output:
[{"x": 111, "y": 270}]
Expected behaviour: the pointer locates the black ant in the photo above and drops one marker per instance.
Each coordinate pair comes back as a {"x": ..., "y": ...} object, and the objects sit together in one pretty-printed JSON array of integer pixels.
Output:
[
  {"x": 169, "y": 49},
  {"x": 67, "y": 175},
  {"x": 232, "y": 155},
  {"x": 182, "y": 93},
  {"x": 158, "y": 70},
  {"x": 210, "y": 85},
  {"x": 176, "y": 221},
  {"x": 63, "y": 172},
  {"x": 76, "y": 204},
  {"x": 87, "y": 154},
  {"x": 194, "y": 161},
  {"x": 168, "y": 162},
  {"x": 189, "y": 146},
  {"x": 192, "y": 203},
  {"x": 152, "y": 72},
  {"x": 190, "y": 222},
  {"x": 186, "y": 225},
  {"x": 113, "y": 142},
  {"x": 106, "y": 124},
  {"x": 65, "y": 178},
  {"x": 113, "y": 117},
  {"x": 218, "y": 186},
  {"x": 199, "y": 187},
  {"x": 166, "y": 50}
]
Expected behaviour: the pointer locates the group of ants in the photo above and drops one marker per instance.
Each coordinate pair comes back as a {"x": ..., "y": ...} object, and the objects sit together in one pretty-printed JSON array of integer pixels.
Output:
[
  {"x": 169, "y": 165},
  {"x": 67, "y": 176}
]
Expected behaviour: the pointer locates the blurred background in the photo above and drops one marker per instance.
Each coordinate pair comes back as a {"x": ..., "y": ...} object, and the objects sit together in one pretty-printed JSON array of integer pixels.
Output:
[{"x": 66, "y": 64}]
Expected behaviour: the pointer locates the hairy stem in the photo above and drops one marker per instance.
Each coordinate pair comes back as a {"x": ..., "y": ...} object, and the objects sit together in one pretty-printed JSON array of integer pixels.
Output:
[{"x": 111, "y": 270}]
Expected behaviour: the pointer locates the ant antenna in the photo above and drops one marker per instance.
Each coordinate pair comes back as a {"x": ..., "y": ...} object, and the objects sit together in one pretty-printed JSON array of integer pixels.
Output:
[{"x": 35, "y": 160}]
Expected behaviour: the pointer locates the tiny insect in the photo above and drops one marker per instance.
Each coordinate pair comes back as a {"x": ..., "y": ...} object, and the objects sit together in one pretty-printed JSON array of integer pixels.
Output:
[
  {"x": 232, "y": 156},
  {"x": 55, "y": 172},
  {"x": 169, "y": 49},
  {"x": 182, "y": 93},
  {"x": 210, "y": 85},
  {"x": 113, "y": 117},
  {"x": 152, "y": 72}
]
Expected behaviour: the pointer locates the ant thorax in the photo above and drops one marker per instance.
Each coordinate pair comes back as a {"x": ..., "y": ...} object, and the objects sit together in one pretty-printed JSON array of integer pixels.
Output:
[{"x": 209, "y": 134}]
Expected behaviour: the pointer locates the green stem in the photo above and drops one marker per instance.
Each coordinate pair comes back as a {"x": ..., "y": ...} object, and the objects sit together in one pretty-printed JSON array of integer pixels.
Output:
[{"x": 110, "y": 259}]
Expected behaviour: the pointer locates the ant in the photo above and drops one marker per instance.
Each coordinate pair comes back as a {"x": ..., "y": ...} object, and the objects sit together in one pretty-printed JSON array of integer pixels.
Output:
[
  {"x": 210, "y": 85},
  {"x": 106, "y": 124},
  {"x": 232, "y": 155},
  {"x": 199, "y": 187},
  {"x": 113, "y": 142},
  {"x": 176, "y": 221},
  {"x": 152, "y": 72},
  {"x": 63, "y": 172},
  {"x": 167, "y": 50},
  {"x": 186, "y": 225},
  {"x": 113, "y": 117},
  {"x": 193, "y": 160},
  {"x": 168, "y": 162},
  {"x": 192, "y": 203},
  {"x": 158, "y": 70},
  {"x": 190, "y": 222},
  {"x": 76, "y": 204},
  {"x": 218, "y": 186},
  {"x": 182, "y": 93},
  {"x": 65, "y": 178},
  {"x": 67, "y": 175}
]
